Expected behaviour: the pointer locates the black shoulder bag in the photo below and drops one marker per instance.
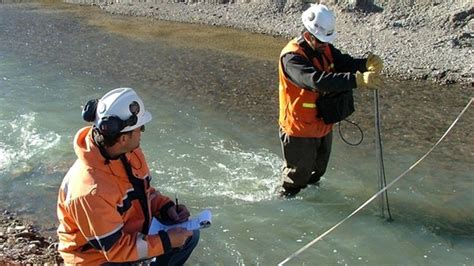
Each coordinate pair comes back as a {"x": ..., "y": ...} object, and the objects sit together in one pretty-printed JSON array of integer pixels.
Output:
[{"x": 336, "y": 106}]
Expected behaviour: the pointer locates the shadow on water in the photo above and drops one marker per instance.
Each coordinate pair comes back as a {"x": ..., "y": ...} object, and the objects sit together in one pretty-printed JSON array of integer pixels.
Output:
[{"x": 222, "y": 85}]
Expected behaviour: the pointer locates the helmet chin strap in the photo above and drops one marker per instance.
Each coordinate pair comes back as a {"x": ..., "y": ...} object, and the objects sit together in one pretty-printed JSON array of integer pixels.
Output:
[
  {"x": 313, "y": 42},
  {"x": 102, "y": 149},
  {"x": 309, "y": 39}
]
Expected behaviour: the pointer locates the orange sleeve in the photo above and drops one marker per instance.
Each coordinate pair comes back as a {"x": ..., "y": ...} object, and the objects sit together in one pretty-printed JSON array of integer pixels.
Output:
[
  {"x": 159, "y": 203},
  {"x": 102, "y": 226}
]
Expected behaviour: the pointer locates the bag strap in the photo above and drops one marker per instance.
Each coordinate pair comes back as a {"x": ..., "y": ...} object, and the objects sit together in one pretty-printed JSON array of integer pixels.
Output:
[{"x": 139, "y": 187}]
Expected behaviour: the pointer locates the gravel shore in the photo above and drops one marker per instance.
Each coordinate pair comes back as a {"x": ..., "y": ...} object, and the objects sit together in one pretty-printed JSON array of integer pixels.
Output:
[
  {"x": 21, "y": 243},
  {"x": 423, "y": 42}
]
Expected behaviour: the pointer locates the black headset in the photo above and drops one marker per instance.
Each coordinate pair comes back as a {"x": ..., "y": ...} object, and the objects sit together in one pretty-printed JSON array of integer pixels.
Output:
[{"x": 110, "y": 126}]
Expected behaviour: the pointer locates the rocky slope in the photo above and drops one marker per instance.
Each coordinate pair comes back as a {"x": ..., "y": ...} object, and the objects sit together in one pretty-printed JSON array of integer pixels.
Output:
[{"x": 429, "y": 40}]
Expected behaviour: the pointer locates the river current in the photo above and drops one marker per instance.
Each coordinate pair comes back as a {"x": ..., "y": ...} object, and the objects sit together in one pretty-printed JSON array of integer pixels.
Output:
[{"x": 213, "y": 142}]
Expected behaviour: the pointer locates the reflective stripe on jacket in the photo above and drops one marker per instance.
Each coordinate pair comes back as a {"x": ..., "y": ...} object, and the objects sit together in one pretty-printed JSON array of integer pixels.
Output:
[
  {"x": 99, "y": 214},
  {"x": 298, "y": 110}
]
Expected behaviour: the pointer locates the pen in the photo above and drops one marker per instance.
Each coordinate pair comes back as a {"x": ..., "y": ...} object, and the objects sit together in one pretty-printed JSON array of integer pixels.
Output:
[{"x": 176, "y": 197}]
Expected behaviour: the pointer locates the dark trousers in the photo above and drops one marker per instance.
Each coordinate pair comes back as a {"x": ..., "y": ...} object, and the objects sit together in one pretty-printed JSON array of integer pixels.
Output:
[
  {"x": 306, "y": 160},
  {"x": 177, "y": 256}
]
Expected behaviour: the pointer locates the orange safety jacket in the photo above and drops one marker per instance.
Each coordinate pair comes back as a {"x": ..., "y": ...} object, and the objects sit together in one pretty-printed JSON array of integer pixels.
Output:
[
  {"x": 298, "y": 110},
  {"x": 100, "y": 216}
]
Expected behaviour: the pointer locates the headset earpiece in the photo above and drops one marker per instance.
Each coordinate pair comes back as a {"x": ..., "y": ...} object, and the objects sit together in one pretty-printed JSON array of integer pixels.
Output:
[
  {"x": 89, "y": 110},
  {"x": 131, "y": 121},
  {"x": 113, "y": 125},
  {"x": 110, "y": 126}
]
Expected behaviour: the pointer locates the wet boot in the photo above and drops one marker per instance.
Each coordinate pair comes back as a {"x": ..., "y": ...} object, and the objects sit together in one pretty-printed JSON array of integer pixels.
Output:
[
  {"x": 314, "y": 180},
  {"x": 288, "y": 192}
]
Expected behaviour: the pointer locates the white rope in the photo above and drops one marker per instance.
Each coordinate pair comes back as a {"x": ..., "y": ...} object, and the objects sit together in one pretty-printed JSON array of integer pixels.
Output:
[{"x": 292, "y": 256}]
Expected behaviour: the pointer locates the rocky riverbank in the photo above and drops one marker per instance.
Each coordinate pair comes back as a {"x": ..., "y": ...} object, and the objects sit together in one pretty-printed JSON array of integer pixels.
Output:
[
  {"x": 424, "y": 41},
  {"x": 21, "y": 243}
]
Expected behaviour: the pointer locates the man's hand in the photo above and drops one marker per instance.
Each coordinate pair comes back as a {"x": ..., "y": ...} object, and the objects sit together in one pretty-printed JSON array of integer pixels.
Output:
[
  {"x": 178, "y": 213},
  {"x": 374, "y": 63},
  {"x": 178, "y": 236},
  {"x": 369, "y": 80}
]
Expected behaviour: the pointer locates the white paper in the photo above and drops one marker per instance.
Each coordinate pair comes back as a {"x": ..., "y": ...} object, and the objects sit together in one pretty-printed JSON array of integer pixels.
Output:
[{"x": 203, "y": 220}]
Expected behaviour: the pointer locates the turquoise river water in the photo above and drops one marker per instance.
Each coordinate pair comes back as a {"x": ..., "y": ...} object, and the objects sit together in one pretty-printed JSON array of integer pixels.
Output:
[{"x": 214, "y": 152}]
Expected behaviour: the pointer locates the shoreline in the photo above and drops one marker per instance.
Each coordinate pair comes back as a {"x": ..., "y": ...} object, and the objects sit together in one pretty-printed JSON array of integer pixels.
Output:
[
  {"x": 431, "y": 43},
  {"x": 23, "y": 243},
  {"x": 400, "y": 44}
]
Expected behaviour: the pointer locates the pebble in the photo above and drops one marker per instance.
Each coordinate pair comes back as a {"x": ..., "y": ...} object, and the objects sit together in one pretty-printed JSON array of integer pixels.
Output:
[
  {"x": 20, "y": 228},
  {"x": 21, "y": 245},
  {"x": 32, "y": 248}
]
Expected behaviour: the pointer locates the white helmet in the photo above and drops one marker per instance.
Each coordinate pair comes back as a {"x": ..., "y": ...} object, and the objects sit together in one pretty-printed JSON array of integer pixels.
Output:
[
  {"x": 125, "y": 104},
  {"x": 320, "y": 21}
]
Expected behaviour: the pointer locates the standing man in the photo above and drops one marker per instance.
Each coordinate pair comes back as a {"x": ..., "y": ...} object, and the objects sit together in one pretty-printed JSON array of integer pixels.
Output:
[
  {"x": 316, "y": 82},
  {"x": 106, "y": 203}
]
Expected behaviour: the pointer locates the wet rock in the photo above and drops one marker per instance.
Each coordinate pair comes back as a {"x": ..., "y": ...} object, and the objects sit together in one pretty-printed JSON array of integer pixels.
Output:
[
  {"x": 11, "y": 241},
  {"x": 21, "y": 244},
  {"x": 32, "y": 248},
  {"x": 29, "y": 235},
  {"x": 20, "y": 227},
  {"x": 10, "y": 230}
]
